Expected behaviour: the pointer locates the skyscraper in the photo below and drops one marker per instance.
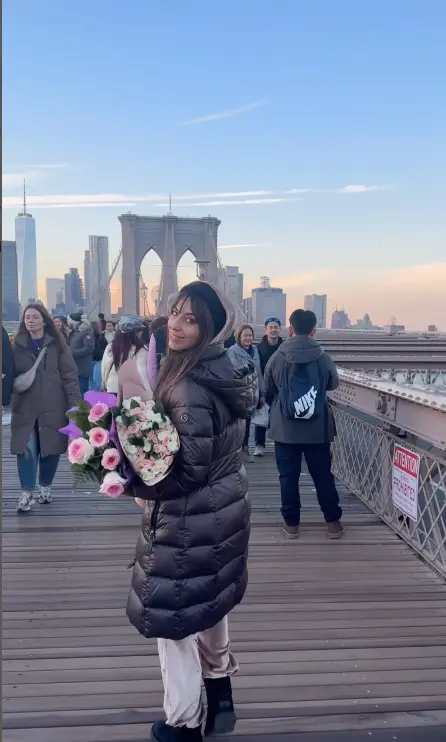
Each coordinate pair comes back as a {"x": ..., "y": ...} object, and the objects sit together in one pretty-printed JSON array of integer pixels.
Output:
[
  {"x": 74, "y": 299},
  {"x": 340, "y": 320},
  {"x": 10, "y": 282},
  {"x": 25, "y": 237},
  {"x": 234, "y": 281},
  {"x": 317, "y": 303},
  {"x": 54, "y": 287},
  {"x": 87, "y": 268},
  {"x": 268, "y": 302},
  {"x": 96, "y": 276}
]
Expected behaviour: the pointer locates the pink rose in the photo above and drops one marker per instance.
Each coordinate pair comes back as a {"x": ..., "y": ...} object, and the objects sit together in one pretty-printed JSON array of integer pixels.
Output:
[
  {"x": 112, "y": 485},
  {"x": 133, "y": 429},
  {"x": 80, "y": 451},
  {"x": 98, "y": 411},
  {"x": 98, "y": 437},
  {"x": 110, "y": 459},
  {"x": 158, "y": 448}
]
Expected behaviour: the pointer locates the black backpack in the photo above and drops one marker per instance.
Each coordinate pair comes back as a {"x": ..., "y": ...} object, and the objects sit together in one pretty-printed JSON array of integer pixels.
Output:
[{"x": 302, "y": 394}]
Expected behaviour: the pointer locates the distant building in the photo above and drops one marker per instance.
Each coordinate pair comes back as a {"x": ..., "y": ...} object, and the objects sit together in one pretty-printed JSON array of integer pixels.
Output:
[
  {"x": 96, "y": 273},
  {"x": 74, "y": 300},
  {"x": 25, "y": 238},
  {"x": 340, "y": 320},
  {"x": 55, "y": 292},
  {"x": 394, "y": 329},
  {"x": 365, "y": 323},
  {"x": 268, "y": 302},
  {"x": 432, "y": 328},
  {"x": 10, "y": 282},
  {"x": 247, "y": 308},
  {"x": 317, "y": 303},
  {"x": 234, "y": 281},
  {"x": 87, "y": 269}
]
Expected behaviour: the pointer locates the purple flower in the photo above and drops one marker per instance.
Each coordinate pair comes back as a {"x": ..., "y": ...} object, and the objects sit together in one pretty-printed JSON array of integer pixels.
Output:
[
  {"x": 71, "y": 431},
  {"x": 93, "y": 397}
]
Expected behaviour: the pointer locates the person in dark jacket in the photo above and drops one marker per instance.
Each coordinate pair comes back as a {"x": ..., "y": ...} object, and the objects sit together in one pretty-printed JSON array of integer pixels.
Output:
[
  {"x": 7, "y": 368},
  {"x": 268, "y": 345},
  {"x": 39, "y": 412},
  {"x": 310, "y": 437},
  {"x": 191, "y": 559},
  {"x": 81, "y": 344}
]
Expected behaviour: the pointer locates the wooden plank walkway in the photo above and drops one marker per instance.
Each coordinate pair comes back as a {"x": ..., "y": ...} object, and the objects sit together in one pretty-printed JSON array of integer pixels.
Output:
[{"x": 337, "y": 641}]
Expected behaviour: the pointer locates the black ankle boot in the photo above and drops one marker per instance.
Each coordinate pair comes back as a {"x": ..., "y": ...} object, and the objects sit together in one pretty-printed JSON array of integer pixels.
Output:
[
  {"x": 220, "y": 715},
  {"x": 161, "y": 732}
]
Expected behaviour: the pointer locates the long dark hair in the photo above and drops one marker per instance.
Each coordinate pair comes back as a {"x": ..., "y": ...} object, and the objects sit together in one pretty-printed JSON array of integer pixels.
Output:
[
  {"x": 157, "y": 323},
  {"x": 179, "y": 363},
  {"x": 122, "y": 344},
  {"x": 48, "y": 325}
]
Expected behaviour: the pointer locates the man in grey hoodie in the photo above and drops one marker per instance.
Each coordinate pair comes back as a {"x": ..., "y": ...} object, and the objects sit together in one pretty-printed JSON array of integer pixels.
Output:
[{"x": 309, "y": 427}]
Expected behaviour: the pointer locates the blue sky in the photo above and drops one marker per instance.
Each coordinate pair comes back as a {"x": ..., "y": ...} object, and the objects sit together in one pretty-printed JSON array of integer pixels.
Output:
[{"x": 301, "y": 101}]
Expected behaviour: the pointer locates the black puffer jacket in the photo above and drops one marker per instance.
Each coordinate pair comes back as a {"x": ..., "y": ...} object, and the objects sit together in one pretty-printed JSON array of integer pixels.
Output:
[{"x": 191, "y": 567}]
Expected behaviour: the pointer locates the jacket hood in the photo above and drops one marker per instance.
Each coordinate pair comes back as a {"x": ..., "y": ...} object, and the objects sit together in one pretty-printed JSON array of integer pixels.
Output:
[
  {"x": 219, "y": 305},
  {"x": 300, "y": 349},
  {"x": 84, "y": 326},
  {"x": 236, "y": 387}
]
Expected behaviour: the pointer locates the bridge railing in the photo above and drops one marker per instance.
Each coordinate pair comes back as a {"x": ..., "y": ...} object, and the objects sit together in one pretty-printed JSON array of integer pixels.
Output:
[{"x": 363, "y": 459}]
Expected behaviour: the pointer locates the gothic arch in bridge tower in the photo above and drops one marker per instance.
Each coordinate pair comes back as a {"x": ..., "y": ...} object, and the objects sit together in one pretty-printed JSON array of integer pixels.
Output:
[{"x": 170, "y": 237}]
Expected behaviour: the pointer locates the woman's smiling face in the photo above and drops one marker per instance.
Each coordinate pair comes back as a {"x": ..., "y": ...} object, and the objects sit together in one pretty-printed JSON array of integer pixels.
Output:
[{"x": 184, "y": 332}]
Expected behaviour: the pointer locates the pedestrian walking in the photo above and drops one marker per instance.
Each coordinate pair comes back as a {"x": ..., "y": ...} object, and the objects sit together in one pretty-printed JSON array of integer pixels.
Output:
[
  {"x": 81, "y": 344},
  {"x": 268, "y": 345},
  {"x": 126, "y": 344},
  {"x": 297, "y": 379},
  {"x": 7, "y": 368},
  {"x": 60, "y": 324},
  {"x": 45, "y": 387},
  {"x": 191, "y": 567},
  {"x": 242, "y": 351}
]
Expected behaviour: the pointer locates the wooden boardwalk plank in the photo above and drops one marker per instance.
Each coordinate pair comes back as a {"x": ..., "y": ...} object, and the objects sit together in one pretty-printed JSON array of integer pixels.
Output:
[{"x": 345, "y": 638}]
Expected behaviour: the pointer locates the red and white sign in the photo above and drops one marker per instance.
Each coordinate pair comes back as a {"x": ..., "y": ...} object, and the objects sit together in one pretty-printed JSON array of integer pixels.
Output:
[{"x": 405, "y": 476}]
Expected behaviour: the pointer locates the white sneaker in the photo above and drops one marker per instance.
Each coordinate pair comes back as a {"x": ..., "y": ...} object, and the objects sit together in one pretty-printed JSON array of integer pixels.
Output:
[
  {"x": 259, "y": 451},
  {"x": 25, "y": 503},
  {"x": 43, "y": 495}
]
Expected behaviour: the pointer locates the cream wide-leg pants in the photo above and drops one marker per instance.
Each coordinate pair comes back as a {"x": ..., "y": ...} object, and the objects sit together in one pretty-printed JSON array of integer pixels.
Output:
[{"x": 185, "y": 663}]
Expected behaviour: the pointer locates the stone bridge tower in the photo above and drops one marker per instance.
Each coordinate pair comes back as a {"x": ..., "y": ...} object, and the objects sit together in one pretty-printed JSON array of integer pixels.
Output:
[{"x": 170, "y": 237}]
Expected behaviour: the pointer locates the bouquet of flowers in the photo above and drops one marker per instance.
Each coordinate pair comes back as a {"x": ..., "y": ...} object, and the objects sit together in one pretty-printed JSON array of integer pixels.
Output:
[
  {"x": 94, "y": 452},
  {"x": 147, "y": 437}
]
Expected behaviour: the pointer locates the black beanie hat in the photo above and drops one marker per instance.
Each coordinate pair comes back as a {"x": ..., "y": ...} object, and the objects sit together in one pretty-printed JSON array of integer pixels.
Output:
[
  {"x": 75, "y": 316},
  {"x": 205, "y": 292}
]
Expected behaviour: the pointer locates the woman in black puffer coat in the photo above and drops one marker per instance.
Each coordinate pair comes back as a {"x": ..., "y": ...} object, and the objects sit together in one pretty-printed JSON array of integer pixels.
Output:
[{"x": 191, "y": 559}]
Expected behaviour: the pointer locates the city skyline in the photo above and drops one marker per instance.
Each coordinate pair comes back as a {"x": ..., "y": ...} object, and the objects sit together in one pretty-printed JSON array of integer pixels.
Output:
[{"x": 327, "y": 175}]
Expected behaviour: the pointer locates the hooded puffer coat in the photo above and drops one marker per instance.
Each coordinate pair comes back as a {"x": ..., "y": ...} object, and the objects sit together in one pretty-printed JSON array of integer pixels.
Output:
[{"x": 191, "y": 558}]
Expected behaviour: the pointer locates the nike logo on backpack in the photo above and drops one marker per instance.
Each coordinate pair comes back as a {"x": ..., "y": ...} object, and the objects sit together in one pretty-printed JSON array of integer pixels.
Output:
[{"x": 305, "y": 405}]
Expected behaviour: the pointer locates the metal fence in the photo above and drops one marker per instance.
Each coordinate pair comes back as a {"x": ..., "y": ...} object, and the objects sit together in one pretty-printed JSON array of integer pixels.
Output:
[{"x": 362, "y": 459}]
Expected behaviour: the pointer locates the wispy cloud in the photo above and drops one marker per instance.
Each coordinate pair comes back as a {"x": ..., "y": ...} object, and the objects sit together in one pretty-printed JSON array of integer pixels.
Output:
[
  {"x": 233, "y": 247},
  {"x": 227, "y": 114},
  {"x": 363, "y": 188},
  {"x": 155, "y": 201},
  {"x": 31, "y": 173},
  {"x": 50, "y": 166},
  {"x": 161, "y": 200}
]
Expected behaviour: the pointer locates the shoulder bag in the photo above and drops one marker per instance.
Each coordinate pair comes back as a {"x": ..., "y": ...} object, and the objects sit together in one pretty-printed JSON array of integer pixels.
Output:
[{"x": 24, "y": 381}]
